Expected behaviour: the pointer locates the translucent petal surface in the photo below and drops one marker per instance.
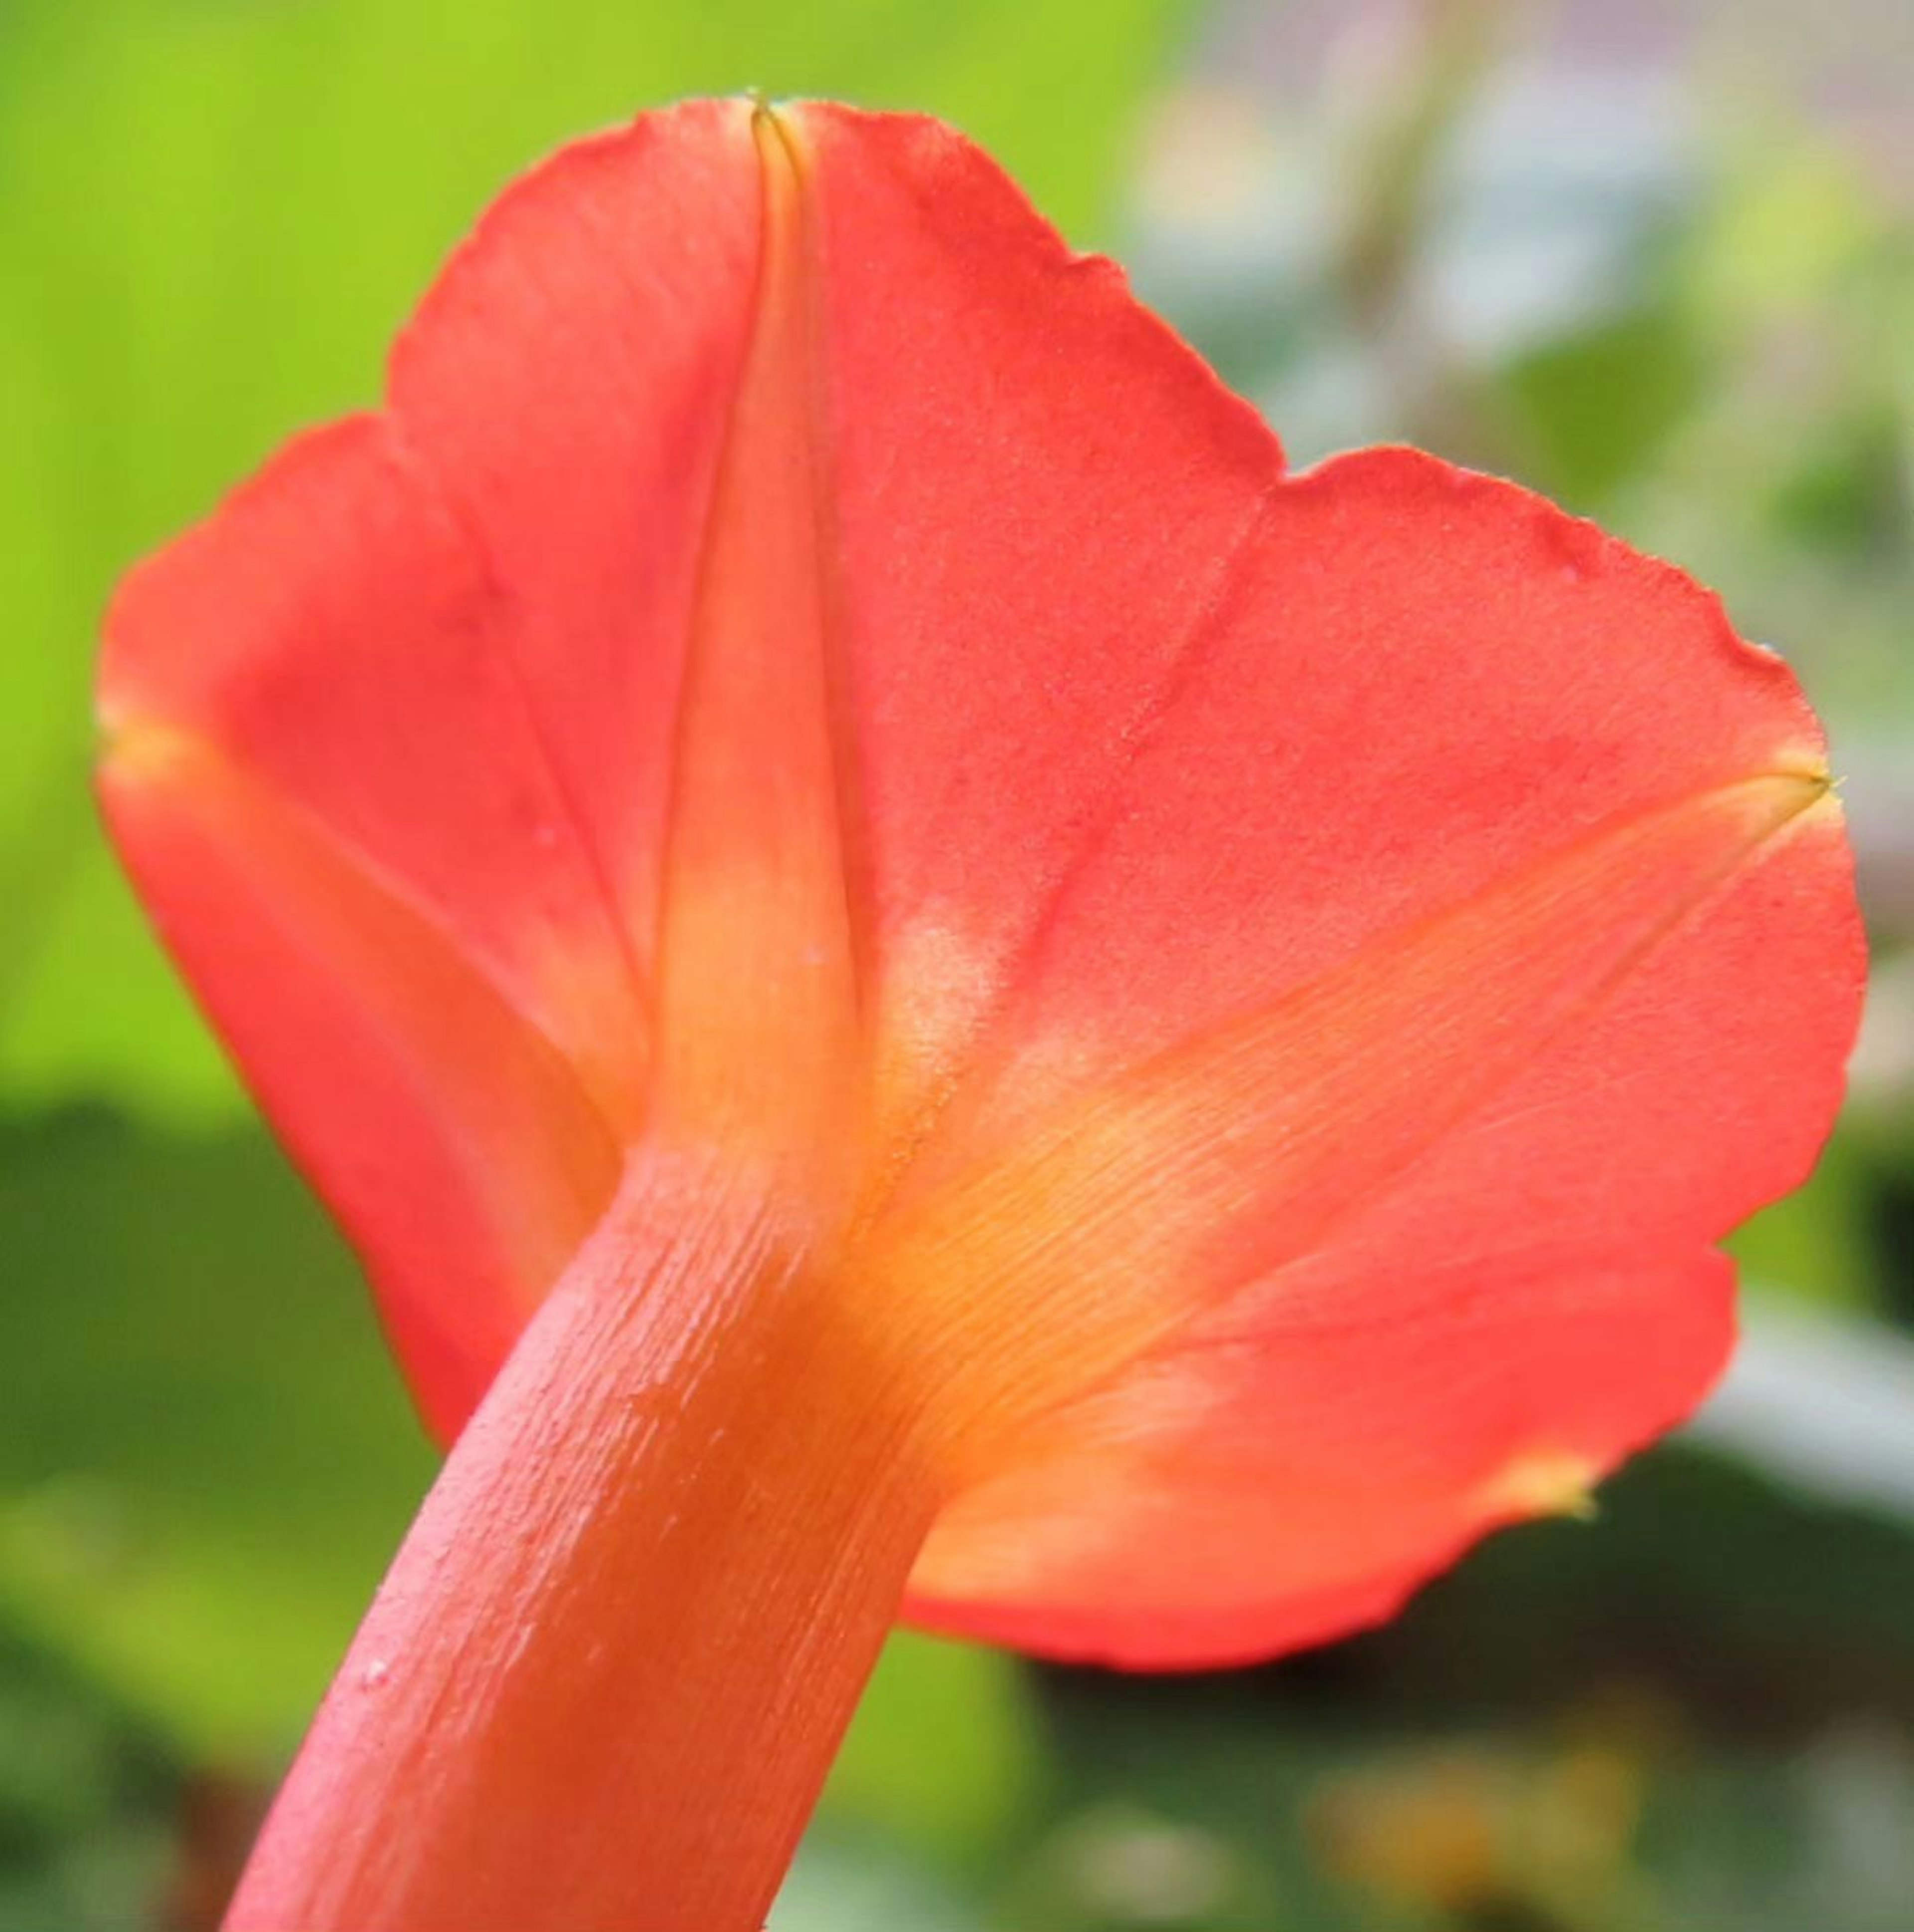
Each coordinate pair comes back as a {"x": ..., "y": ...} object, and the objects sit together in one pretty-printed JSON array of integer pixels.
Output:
[{"x": 1262, "y": 993}]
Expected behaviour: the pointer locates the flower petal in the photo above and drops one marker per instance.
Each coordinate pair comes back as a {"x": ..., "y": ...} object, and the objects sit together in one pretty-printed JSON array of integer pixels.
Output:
[
  {"x": 1039, "y": 493},
  {"x": 1523, "y": 1297},
  {"x": 1240, "y": 1494},
  {"x": 569, "y": 382},
  {"x": 1423, "y": 680},
  {"x": 1174, "y": 1189},
  {"x": 449, "y": 1137},
  {"x": 322, "y": 776}
]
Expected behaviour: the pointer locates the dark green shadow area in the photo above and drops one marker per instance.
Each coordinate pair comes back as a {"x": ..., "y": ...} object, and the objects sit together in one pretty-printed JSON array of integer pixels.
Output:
[{"x": 206, "y": 1458}]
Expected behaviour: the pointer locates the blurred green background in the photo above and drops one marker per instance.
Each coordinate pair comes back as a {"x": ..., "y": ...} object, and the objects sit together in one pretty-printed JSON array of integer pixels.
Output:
[{"x": 1655, "y": 259}]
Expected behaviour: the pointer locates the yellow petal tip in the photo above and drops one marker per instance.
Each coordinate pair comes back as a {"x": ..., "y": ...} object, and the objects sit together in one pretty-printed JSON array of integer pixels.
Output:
[{"x": 1546, "y": 1482}]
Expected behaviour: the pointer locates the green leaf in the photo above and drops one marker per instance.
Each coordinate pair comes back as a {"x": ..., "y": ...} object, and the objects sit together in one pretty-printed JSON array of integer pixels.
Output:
[
  {"x": 860, "y": 1889},
  {"x": 214, "y": 213}
]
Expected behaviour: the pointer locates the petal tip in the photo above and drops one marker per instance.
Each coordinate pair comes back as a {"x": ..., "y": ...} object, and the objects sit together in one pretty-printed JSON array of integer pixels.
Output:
[
  {"x": 135, "y": 752},
  {"x": 1544, "y": 1483}
]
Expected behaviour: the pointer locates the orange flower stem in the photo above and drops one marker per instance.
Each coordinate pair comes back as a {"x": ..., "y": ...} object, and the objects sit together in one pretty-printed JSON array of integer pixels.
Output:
[{"x": 608, "y": 1672}]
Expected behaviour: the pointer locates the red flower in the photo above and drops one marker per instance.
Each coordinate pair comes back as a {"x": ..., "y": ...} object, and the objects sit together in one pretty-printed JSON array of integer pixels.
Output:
[{"x": 986, "y": 1003}]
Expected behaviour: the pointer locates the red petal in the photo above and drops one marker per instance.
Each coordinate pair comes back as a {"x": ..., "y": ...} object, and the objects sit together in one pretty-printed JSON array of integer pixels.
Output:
[
  {"x": 1527, "y": 1188},
  {"x": 569, "y": 382},
  {"x": 1421, "y": 680},
  {"x": 336, "y": 633},
  {"x": 1039, "y": 492},
  {"x": 1240, "y": 1494},
  {"x": 369, "y": 892}
]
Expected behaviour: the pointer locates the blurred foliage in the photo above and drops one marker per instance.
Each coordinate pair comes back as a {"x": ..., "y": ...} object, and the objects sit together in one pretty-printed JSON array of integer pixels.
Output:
[
  {"x": 947, "y": 1802},
  {"x": 88, "y": 1804},
  {"x": 1675, "y": 302},
  {"x": 202, "y": 1479}
]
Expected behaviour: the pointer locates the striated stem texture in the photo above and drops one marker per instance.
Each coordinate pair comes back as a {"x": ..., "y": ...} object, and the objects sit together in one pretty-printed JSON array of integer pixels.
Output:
[{"x": 636, "y": 1610}]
